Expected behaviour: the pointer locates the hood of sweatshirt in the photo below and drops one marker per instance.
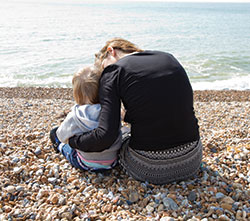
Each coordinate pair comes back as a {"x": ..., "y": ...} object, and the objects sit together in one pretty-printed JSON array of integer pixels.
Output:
[{"x": 86, "y": 116}]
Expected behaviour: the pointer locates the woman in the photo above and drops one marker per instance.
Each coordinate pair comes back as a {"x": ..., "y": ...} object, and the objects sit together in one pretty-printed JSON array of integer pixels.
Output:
[{"x": 164, "y": 145}]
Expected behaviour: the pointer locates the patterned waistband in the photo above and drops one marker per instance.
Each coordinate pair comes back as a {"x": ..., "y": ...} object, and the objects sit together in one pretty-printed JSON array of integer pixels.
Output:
[
  {"x": 169, "y": 153},
  {"x": 161, "y": 167}
]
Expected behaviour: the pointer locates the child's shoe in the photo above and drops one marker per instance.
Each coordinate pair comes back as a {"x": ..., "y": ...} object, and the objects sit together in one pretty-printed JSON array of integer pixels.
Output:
[{"x": 55, "y": 141}]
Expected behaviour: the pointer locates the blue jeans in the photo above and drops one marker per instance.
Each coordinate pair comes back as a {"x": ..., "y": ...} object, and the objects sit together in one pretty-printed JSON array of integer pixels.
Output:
[{"x": 71, "y": 155}]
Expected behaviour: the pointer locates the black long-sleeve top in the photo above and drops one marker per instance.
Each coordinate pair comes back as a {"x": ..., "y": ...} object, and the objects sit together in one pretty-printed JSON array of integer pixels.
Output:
[{"x": 158, "y": 98}]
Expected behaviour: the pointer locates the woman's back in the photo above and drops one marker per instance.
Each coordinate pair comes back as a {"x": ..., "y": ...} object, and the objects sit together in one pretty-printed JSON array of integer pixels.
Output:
[{"x": 158, "y": 98}]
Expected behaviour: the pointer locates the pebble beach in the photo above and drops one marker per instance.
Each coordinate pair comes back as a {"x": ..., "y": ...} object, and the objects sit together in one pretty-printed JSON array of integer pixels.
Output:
[{"x": 36, "y": 183}]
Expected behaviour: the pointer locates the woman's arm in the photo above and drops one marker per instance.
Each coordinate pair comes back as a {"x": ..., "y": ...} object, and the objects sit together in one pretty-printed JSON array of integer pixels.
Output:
[{"x": 106, "y": 133}]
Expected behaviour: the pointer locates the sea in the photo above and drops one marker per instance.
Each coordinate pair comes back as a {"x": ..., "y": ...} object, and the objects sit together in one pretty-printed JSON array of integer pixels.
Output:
[{"x": 43, "y": 42}]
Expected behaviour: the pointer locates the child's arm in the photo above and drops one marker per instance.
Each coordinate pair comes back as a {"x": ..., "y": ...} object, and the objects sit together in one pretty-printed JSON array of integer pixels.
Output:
[{"x": 68, "y": 128}]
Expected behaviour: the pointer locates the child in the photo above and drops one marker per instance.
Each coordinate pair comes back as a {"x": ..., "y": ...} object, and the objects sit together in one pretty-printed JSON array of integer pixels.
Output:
[{"x": 82, "y": 118}]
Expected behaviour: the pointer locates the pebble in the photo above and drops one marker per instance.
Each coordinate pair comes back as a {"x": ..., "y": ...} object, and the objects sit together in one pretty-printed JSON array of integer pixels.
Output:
[
  {"x": 15, "y": 160},
  {"x": 19, "y": 188},
  {"x": 38, "y": 151},
  {"x": 52, "y": 180},
  {"x": 192, "y": 196},
  {"x": 38, "y": 184},
  {"x": 25, "y": 202},
  {"x": 110, "y": 195},
  {"x": 170, "y": 204},
  {"x": 226, "y": 206},
  {"x": 167, "y": 218},
  {"x": 17, "y": 170},
  {"x": 10, "y": 189},
  {"x": 158, "y": 196},
  {"x": 213, "y": 150},
  {"x": 205, "y": 176},
  {"x": 223, "y": 218},
  {"x": 39, "y": 172},
  {"x": 88, "y": 188},
  {"x": 133, "y": 197},
  {"x": 235, "y": 205},
  {"x": 54, "y": 198},
  {"x": 160, "y": 208},
  {"x": 238, "y": 215},
  {"x": 219, "y": 195},
  {"x": 184, "y": 203},
  {"x": 227, "y": 200},
  {"x": 32, "y": 216},
  {"x": 62, "y": 200},
  {"x": 149, "y": 209},
  {"x": 194, "y": 219}
]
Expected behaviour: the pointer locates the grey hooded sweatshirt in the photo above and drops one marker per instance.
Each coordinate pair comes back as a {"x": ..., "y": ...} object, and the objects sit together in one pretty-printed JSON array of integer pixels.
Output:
[{"x": 84, "y": 118}]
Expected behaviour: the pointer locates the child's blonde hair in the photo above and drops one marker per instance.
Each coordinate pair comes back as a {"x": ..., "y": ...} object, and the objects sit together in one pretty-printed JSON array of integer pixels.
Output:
[{"x": 85, "y": 86}]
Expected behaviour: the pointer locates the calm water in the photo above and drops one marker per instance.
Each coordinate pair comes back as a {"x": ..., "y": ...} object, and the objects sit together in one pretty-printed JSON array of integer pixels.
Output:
[{"x": 43, "y": 42}]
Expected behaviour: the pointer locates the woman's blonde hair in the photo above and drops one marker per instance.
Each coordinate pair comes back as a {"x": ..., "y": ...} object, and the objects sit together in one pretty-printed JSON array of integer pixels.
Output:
[
  {"x": 117, "y": 43},
  {"x": 85, "y": 85}
]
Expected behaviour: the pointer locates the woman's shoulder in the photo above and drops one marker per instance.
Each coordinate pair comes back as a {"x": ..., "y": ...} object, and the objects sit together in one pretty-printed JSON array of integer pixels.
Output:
[
  {"x": 158, "y": 53},
  {"x": 111, "y": 72}
]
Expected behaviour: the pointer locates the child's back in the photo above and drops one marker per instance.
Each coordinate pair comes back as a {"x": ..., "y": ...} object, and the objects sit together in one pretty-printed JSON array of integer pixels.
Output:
[{"x": 84, "y": 117}]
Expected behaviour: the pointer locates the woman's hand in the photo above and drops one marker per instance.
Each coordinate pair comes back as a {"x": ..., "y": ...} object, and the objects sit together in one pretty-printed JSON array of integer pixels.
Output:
[{"x": 123, "y": 112}]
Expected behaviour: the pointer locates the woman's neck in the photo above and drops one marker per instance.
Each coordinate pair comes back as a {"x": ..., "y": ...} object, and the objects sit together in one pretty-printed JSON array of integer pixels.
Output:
[{"x": 121, "y": 54}]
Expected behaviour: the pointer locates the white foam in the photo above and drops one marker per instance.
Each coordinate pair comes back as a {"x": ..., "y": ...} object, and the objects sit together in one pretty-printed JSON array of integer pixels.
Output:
[{"x": 237, "y": 83}]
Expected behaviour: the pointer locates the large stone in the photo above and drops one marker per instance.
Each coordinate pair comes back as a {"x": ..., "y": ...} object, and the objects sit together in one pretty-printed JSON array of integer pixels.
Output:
[
  {"x": 226, "y": 206},
  {"x": 52, "y": 180},
  {"x": 170, "y": 204},
  {"x": 223, "y": 218},
  {"x": 10, "y": 189},
  {"x": 192, "y": 196},
  {"x": 219, "y": 196},
  {"x": 149, "y": 209},
  {"x": 238, "y": 215},
  {"x": 54, "y": 199},
  {"x": 227, "y": 200},
  {"x": 38, "y": 151},
  {"x": 160, "y": 208},
  {"x": 17, "y": 170},
  {"x": 133, "y": 196}
]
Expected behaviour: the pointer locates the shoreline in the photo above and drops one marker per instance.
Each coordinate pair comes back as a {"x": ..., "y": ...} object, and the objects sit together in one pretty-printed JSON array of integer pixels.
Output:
[{"x": 66, "y": 94}]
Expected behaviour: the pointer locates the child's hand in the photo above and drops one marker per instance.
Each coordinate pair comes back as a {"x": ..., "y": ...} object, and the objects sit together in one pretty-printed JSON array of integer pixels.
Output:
[{"x": 63, "y": 114}]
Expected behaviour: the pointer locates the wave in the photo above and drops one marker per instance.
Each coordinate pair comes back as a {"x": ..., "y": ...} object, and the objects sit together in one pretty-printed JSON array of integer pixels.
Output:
[{"x": 236, "y": 83}]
